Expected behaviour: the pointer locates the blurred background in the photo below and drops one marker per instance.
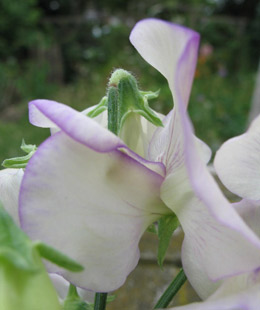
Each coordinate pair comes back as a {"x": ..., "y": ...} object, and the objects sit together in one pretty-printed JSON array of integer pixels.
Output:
[{"x": 65, "y": 50}]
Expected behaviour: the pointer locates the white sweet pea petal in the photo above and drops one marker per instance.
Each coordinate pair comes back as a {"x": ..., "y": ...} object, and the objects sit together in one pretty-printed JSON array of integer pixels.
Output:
[
  {"x": 207, "y": 241},
  {"x": 246, "y": 300},
  {"x": 225, "y": 233},
  {"x": 236, "y": 293},
  {"x": 237, "y": 163},
  {"x": 10, "y": 180},
  {"x": 137, "y": 133},
  {"x": 249, "y": 210},
  {"x": 85, "y": 197},
  {"x": 209, "y": 222},
  {"x": 163, "y": 45}
]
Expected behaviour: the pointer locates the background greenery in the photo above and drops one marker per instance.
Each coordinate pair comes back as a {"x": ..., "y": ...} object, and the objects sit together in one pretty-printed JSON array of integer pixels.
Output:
[{"x": 65, "y": 50}]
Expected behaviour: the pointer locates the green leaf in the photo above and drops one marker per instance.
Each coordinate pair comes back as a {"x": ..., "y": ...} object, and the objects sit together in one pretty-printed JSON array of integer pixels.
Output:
[
  {"x": 57, "y": 257},
  {"x": 15, "y": 246},
  {"x": 166, "y": 226}
]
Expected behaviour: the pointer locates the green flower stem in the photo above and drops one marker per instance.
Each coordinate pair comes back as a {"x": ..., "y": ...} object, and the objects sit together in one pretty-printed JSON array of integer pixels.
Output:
[
  {"x": 112, "y": 106},
  {"x": 171, "y": 291},
  {"x": 100, "y": 301}
]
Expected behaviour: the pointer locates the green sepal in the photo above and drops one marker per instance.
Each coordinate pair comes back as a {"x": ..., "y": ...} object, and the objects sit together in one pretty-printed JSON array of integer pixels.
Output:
[
  {"x": 21, "y": 161},
  {"x": 101, "y": 107},
  {"x": 28, "y": 148},
  {"x": 150, "y": 94},
  {"x": 166, "y": 226},
  {"x": 131, "y": 100},
  {"x": 74, "y": 302},
  {"x": 152, "y": 229},
  {"x": 57, "y": 257},
  {"x": 124, "y": 98},
  {"x": 15, "y": 246}
]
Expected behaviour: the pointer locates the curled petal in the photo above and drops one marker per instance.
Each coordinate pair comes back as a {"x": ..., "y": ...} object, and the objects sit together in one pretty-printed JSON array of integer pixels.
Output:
[
  {"x": 237, "y": 163},
  {"x": 10, "y": 181},
  {"x": 164, "y": 45}
]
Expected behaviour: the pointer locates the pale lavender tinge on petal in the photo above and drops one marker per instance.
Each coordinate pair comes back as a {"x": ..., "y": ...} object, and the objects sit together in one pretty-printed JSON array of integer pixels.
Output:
[
  {"x": 37, "y": 118},
  {"x": 92, "y": 206},
  {"x": 76, "y": 125}
]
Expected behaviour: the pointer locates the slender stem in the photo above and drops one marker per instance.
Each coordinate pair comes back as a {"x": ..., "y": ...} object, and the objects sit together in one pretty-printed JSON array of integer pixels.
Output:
[
  {"x": 100, "y": 301},
  {"x": 172, "y": 290}
]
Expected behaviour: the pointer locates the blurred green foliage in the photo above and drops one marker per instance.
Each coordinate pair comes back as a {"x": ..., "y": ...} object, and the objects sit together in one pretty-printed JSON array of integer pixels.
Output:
[{"x": 65, "y": 50}]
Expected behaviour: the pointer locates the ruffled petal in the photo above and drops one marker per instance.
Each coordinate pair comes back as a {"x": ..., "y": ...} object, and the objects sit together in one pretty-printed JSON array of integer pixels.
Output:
[
  {"x": 10, "y": 181},
  {"x": 93, "y": 206},
  {"x": 237, "y": 163}
]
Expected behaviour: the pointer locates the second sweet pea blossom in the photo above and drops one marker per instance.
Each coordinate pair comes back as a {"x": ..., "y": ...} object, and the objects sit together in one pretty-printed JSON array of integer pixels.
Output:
[
  {"x": 87, "y": 193},
  {"x": 237, "y": 163}
]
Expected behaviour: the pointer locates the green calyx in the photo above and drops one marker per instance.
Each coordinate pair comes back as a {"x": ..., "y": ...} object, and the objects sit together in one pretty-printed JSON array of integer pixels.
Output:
[
  {"x": 21, "y": 161},
  {"x": 123, "y": 99}
]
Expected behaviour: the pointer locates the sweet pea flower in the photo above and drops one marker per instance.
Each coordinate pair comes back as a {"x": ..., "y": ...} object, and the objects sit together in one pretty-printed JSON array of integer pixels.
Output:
[
  {"x": 87, "y": 193},
  {"x": 237, "y": 163}
]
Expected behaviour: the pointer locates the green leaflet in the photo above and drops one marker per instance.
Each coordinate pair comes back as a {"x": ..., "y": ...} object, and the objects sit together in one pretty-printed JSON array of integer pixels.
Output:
[
  {"x": 57, "y": 257},
  {"x": 166, "y": 226},
  {"x": 15, "y": 246}
]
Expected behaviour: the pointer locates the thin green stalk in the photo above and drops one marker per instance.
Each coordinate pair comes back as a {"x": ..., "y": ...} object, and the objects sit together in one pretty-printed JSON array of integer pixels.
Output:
[
  {"x": 172, "y": 290},
  {"x": 100, "y": 301}
]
